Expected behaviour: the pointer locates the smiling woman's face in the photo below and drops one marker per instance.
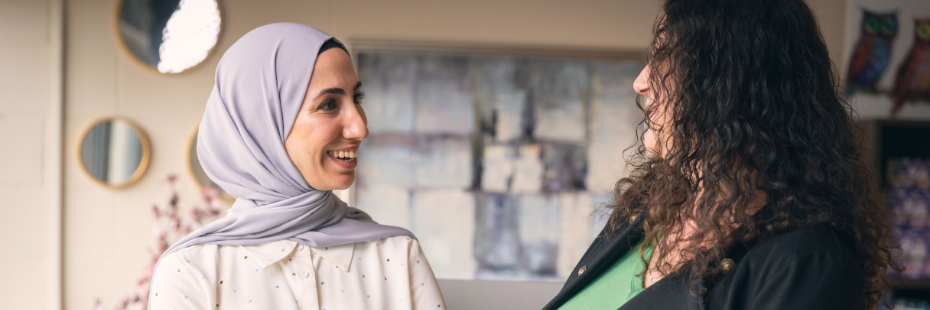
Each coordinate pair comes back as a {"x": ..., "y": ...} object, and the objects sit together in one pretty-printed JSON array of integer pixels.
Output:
[{"x": 331, "y": 124}]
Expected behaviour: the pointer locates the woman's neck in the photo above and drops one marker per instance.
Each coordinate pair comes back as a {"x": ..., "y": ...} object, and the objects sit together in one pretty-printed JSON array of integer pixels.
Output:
[{"x": 683, "y": 235}]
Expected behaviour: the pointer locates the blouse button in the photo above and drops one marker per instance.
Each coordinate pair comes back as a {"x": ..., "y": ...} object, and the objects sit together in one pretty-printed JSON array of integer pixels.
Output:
[
  {"x": 726, "y": 265},
  {"x": 582, "y": 269},
  {"x": 305, "y": 274}
]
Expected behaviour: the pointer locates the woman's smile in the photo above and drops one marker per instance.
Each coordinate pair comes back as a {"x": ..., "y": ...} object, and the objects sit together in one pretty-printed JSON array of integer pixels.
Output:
[{"x": 345, "y": 158}]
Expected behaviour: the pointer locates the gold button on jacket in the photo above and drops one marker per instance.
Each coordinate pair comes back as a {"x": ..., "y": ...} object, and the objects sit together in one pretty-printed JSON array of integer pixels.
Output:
[
  {"x": 582, "y": 269},
  {"x": 726, "y": 265}
]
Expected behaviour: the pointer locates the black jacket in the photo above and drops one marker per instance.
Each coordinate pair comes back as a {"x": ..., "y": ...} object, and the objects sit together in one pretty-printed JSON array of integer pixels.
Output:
[{"x": 806, "y": 268}]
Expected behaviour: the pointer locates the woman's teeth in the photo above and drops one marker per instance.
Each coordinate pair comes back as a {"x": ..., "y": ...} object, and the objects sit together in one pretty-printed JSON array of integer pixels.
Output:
[{"x": 344, "y": 155}]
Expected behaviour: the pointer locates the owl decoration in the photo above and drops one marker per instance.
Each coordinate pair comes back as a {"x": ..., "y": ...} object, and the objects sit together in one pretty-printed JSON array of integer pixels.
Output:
[
  {"x": 913, "y": 79},
  {"x": 872, "y": 54}
]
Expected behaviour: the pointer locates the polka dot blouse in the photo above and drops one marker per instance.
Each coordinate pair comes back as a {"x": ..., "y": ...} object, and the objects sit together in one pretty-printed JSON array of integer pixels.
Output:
[{"x": 389, "y": 273}]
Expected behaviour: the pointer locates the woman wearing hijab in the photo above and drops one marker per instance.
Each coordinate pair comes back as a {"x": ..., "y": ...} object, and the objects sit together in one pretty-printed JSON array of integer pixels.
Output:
[
  {"x": 755, "y": 193},
  {"x": 281, "y": 130}
]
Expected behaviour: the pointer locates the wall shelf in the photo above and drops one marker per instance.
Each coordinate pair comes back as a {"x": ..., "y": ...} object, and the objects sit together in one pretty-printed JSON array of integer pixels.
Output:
[
  {"x": 905, "y": 284},
  {"x": 887, "y": 139}
]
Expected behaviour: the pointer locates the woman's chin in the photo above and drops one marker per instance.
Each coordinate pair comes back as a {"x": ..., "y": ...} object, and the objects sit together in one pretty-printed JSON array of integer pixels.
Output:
[
  {"x": 343, "y": 181},
  {"x": 333, "y": 181},
  {"x": 342, "y": 188},
  {"x": 649, "y": 141}
]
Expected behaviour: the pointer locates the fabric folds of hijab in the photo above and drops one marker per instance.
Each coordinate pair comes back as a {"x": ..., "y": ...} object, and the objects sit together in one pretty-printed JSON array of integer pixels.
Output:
[{"x": 260, "y": 85}]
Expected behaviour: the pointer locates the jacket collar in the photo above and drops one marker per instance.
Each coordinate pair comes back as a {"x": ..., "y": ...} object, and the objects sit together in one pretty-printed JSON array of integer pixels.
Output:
[
  {"x": 267, "y": 254},
  {"x": 606, "y": 249},
  {"x": 602, "y": 253}
]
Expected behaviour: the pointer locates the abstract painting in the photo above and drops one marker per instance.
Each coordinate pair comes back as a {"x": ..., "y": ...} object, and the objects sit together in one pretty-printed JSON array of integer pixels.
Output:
[{"x": 501, "y": 165}]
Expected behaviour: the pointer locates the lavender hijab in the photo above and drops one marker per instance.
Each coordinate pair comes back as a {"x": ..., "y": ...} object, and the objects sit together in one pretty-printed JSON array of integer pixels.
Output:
[{"x": 261, "y": 82}]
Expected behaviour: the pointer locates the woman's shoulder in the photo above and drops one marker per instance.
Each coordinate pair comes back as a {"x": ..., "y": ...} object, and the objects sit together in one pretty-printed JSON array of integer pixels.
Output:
[
  {"x": 806, "y": 241},
  {"x": 395, "y": 244},
  {"x": 808, "y": 248},
  {"x": 391, "y": 242},
  {"x": 194, "y": 255},
  {"x": 804, "y": 268}
]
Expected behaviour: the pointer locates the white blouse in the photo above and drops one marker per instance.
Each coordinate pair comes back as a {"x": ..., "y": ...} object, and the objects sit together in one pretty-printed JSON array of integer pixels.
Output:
[{"x": 388, "y": 273}]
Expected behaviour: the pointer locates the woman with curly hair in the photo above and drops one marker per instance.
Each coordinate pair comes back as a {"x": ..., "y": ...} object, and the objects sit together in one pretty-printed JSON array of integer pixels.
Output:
[{"x": 750, "y": 189}]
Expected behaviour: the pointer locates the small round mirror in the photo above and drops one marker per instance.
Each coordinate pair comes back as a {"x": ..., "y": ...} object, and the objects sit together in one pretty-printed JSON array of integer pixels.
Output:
[
  {"x": 114, "y": 151},
  {"x": 200, "y": 176},
  {"x": 169, "y": 35}
]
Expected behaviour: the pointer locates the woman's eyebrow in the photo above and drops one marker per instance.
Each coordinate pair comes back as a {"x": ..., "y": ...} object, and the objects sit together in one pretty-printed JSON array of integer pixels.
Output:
[
  {"x": 337, "y": 90},
  {"x": 334, "y": 90}
]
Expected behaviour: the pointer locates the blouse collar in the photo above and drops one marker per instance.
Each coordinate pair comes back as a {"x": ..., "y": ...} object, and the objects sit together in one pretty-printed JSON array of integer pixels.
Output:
[{"x": 267, "y": 254}]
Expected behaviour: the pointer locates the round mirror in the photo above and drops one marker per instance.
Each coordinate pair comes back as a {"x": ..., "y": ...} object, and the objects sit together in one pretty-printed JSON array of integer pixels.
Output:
[
  {"x": 169, "y": 35},
  {"x": 200, "y": 176},
  {"x": 114, "y": 151}
]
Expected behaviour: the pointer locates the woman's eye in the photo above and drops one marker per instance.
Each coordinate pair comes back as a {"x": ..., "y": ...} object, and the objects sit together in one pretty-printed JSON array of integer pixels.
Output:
[
  {"x": 329, "y": 105},
  {"x": 358, "y": 98}
]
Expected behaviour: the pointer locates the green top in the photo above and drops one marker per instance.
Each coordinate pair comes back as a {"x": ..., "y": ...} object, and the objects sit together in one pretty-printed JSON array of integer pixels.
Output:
[{"x": 615, "y": 287}]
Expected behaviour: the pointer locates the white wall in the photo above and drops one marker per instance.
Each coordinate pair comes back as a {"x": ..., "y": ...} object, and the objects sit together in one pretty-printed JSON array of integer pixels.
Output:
[
  {"x": 108, "y": 232},
  {"x": 30, "y": 164}
]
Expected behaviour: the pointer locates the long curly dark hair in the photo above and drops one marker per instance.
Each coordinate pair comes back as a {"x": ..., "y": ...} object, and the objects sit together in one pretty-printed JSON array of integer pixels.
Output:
[{"x": 754, "y": 107}]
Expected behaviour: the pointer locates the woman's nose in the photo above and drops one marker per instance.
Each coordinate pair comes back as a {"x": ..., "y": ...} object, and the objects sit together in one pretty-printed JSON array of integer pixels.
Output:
[
  {"x": 356, "y": 125},
  {"x": 641, "y": 84}
]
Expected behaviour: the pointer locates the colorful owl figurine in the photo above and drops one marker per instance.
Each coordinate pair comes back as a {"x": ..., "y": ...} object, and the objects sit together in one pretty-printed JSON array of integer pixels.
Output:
[
  {"x": 872, "y": 54},
  {"x": 913, "y": 79}
]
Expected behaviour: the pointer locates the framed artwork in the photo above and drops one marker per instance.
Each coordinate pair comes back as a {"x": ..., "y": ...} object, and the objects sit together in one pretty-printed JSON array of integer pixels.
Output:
[
  {"x": 501, "y": 160},
  {"x": 887, "y": 59}
]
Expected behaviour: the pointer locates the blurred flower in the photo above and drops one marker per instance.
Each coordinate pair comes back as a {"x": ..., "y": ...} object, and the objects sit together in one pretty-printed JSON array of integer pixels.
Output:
[
  {"x": 158, "y": 232},
  {"x": 170, "y": 226}
]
